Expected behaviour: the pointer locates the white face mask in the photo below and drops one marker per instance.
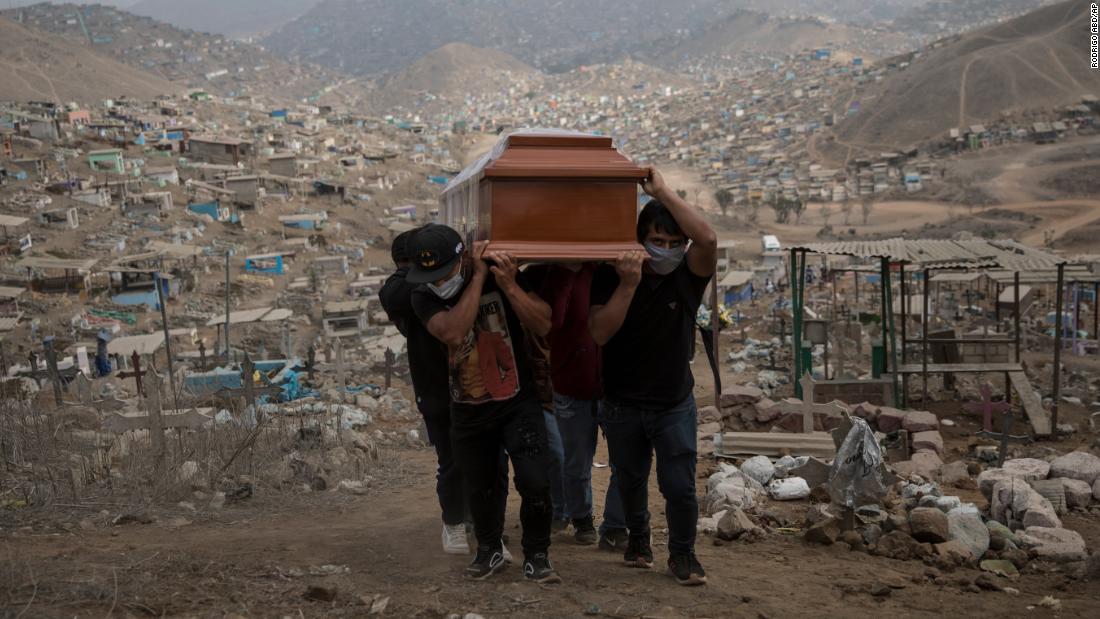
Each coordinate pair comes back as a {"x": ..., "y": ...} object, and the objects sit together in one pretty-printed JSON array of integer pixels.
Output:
[
  {"x": 449, "y": 288},
  {"x": 664, "y": 261}
]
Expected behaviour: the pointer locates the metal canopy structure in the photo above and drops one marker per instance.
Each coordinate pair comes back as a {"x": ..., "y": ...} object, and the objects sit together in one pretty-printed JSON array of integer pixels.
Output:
[{"x": 1003, "y": 257}]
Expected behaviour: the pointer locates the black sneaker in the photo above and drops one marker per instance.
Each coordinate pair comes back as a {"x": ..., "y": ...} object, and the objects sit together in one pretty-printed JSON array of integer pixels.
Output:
[
  {"x": 686, "y": 570},
  {"x": 614, "y": 540},
  {"x": 487, "y": 561},
  {"x": 538, "y": 569},
  {"x": 585, "y": 533},
  {"x": 638, "y": 553}
]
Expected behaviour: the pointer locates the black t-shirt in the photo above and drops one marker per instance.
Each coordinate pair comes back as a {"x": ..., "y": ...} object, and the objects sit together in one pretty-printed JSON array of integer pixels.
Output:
[
  {"x": 646, "y": 363},
  {"x": 490, "y": 368},
  {"x": 427, "y": 355}
]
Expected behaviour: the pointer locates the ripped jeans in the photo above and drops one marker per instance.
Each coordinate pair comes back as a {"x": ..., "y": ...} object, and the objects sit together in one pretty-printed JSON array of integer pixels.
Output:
[{"x": 522, "y": 433}]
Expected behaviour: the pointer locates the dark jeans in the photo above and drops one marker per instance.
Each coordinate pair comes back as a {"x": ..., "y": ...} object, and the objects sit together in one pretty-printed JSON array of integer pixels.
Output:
[
  {"x": 633, "y": 436},
  {"x": 556, "y": 468},
  {"x": 522, "y": 433},
  {"x": 579, "y": 428},
  {"x": 448, "y": 477}
]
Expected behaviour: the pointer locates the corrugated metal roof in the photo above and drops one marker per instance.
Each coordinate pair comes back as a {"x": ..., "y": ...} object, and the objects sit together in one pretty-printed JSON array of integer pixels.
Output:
[{"x": 944, "y": 254}]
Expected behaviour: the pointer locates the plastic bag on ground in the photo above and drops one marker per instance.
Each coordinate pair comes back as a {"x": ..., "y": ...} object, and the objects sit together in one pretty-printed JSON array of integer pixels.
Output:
[
  {"x": 789, "y": 489},
  {"x": 856, "y": 476}
]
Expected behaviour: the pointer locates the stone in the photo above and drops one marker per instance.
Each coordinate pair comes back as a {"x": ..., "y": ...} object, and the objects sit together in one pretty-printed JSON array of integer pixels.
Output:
[
  {"x": 814, "y": 471},
  {"x": 784, "y": 464},
  {"x": 817, "y": 513},
  {"x": 1027, "y": 468},
  {"x": 1017, "y": 557},
  {"x": 1096, "y": 490},
  {"x": 739, "y": 394},
  {"x": 709, "y": 414},
  {"x": 986, "y": 582},
  {"x": 927, "y": 464},
  {"x": 789, "y": 489},
  {"x": 872, "y": 533},
  {"x": 825, "y": 532},
  {"x": 766, "y": 411},
  {"x": 880, "y": 589},
  {"x": 920, "y": 421},
  {"x": 866, "y": 410},
  {"x": 896, "y": 522},
  {"x": 1000, "y": 567},
  {"x": 1015, "y": 503},
  {"x": 853, "y": 539},
  {"x": 1000, "y": 536},
  {"x": 1052, "y": 490},
  {"x": 896, "y": 545},
  {"x": 746, "y": 413},
  {"x": 734, "y": 524},
  {"x": 928, "y": 440},
  {"x": 734, "y": 490},
  {"x": 709, "y": 429},
  {"x": 187, "y": 471},
  {"x": 217, "y": 501},
  {"x": 759, "y": 468},
  {"x": 953, "y": 473},
  {"x": 318, "y": 593},
  {"x": 952, "y": 553},
  {"x": 1077, "y": 465},
  {"x": 928, "y": 524},
  {"x": 947, "y": 503},
  {"x": 966, "y": 527},
  {"x": 890, "y": 419},
  {"x": 1054, "y": 544}
]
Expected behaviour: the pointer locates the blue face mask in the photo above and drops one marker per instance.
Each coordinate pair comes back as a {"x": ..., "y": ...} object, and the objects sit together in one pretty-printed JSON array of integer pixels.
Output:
[
  {"x": 449, "y": 288},
  {"x": 664, "y": 261}
]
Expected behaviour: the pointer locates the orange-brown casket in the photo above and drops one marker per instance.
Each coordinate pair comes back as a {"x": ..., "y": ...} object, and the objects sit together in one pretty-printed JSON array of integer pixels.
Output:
[{"x": 543, "y": 195}]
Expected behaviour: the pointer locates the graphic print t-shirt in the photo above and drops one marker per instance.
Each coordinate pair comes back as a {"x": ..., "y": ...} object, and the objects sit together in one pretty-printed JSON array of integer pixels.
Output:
[{"x": 490, "y": 367}]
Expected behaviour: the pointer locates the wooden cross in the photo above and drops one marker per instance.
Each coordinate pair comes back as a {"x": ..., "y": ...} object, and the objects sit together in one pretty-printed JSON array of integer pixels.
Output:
[
  {"x": 154, "y": 421},
  {"x": 340, "y": 378},
  {"x": 83, "y": 388},
  {"x": 136, "y": 373},
  {"x": 311, "y": 362},
  {"x": 987, "y": 407},
  {"x": 807, "y": 408},
  {"x": 34, "y": 372},
  {"x": 248, "y": 390},
  {"x": 202, "y": 355}
]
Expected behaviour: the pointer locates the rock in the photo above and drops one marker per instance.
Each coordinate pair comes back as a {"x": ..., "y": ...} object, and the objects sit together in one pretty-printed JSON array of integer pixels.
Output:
[
  {"x": 966, "y": 527},
  {"x": 1000, "y": 567},
  {"x": 739, "y": 394},
  {"x": 896, "y": 545},
  {"x": 880, "y": 589},
  {"x": 928, "y": 440},
  {"x": 1096, "y": 490},
  {"x": 927, "y": 464},
  {"x": 766, "y": 411},
  {"x": 1017, "y": 557},
  {"x": 789, "y": 489},
  {"x": 989, "y": 478},
  {"x": 1053, "y": 491},
  {"x": 872, "y": 533},
  {"x": 784, "y": 464},
  {"x": 746, "y": 413},
  {"x": 709, "y": 414},
  {"x": 1000, "y": 535},
  {"x": 759, "y": 468},
  {"x": 814, "y": 471},
  {"x": 817, "y": 513},
  {"x": 896, "y": 522},
  {"x": 928, "y": 524},
  {"x": 709, "y": 429},
  {"x": 217, "y": 501},
  {"x": 986, "y": 582},
  {"x": 890, "y": 419},
  {"x": 825, "y": 532},
  {"x": 951, "y": 553},
  {"x": 733, "y": 490},
  {"x": 920, "y": 421},
  {"x": 954, "y": 472},
  {"x": 1016, "y": 504},
  {"x": 866, "y": 410},
  {"x": 1078, "y": 494},
  {"x": 735, "y": 524},
  {"x": 917, "y": 491},
  {"x": 1027, "y": 468},
  {"x": 1054, "y": 544},
  {"x": 1077, "y": 465}
]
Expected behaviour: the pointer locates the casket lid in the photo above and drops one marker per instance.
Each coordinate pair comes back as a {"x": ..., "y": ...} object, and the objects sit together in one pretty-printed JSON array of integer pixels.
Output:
[{"x": 549, "y": 153}]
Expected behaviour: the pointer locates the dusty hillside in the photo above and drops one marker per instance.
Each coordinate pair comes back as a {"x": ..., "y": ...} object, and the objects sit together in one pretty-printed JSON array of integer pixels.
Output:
[
  {"x": 1037, "y": 61},
  {"x": 240, "y": 17},
  {"x": 453, "y": 71},
  {"x": 749, "y": 30},
  {"x": 35, "y": 65}
]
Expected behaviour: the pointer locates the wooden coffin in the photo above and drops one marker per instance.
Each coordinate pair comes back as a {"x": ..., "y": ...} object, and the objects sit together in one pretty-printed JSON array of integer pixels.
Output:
[{"x": 548, "y": 196}]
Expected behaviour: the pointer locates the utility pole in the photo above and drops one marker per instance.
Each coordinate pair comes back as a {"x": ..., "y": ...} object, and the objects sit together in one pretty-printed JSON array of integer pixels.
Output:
[
  {"x": 167, "y": 340},
  {"x": 227, "y": 357}
]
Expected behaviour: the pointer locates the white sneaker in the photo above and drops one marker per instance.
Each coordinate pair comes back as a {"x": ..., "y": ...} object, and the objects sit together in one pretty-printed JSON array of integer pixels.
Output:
[
  {"x": 507, "y": 555},
  {"x": 454, "y": 540}
]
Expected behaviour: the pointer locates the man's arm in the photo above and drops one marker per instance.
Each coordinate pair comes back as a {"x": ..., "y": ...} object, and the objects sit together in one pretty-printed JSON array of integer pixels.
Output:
[
  {"x": 532, "y": 311},
  {"x": 451, "y": 326},
  {"x": 702, "y": 256},
  {"x": 604, "y": 321}
]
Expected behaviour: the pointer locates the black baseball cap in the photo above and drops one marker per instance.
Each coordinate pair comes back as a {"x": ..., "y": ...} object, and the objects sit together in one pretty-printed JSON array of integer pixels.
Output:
[
  {"x": 399, "y": 250},
  {"x": 433, "y": 251}
]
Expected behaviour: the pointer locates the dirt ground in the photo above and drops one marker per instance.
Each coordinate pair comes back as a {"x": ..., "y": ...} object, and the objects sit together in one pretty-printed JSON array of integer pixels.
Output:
[{"x": 258, "y": 558}]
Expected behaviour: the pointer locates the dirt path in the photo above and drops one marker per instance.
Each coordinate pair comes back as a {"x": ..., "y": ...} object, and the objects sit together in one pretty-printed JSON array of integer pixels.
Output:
[{"x": 244, "y": 562}]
